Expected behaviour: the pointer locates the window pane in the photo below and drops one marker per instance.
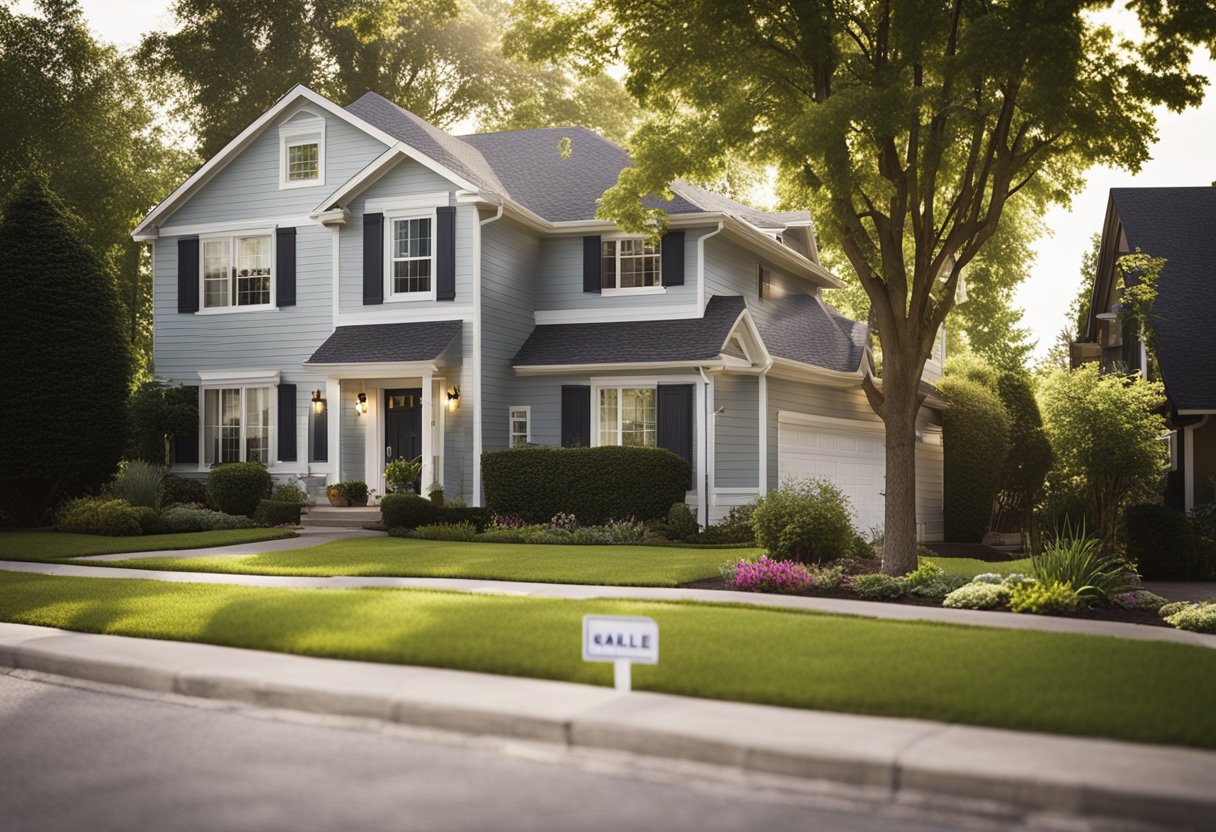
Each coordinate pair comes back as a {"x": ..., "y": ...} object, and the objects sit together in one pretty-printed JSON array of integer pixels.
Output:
[
  {"x": 253, "y": 271},
  {"x": 211, "y": 425},
  {"x": 639, "y": 264},
  {"x": 230, "y": 425},
  {"x": 638, "y": 417},
  {"x": 216, "y": 264},
  {"x": 411, "y": 255},
  {"x": 608, "y": 265},
  {"x": 608, "y": 417},
  {"x": 257, "y": 424},
  {"x": 412, "y": 276},
  {"x": 519, "y": 427},
  {"x": 303, "y": 162}
]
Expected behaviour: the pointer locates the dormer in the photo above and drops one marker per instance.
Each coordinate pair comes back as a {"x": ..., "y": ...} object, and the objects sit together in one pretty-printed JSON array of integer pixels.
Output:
[{"x": 302, "y": 150}]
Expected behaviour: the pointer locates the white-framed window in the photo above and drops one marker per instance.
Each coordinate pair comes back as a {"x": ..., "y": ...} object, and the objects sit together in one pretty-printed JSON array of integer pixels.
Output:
[
  {"x": 519, "y": 426},
  {"x": 302, "y": 153},
  {"x": 236, "y": 424},
  {"x": 627, "y": 416},
  {"x": 630, "y": 264},
  {"x": 410, "y": 256},
  {"x": 238, "y": 272}
]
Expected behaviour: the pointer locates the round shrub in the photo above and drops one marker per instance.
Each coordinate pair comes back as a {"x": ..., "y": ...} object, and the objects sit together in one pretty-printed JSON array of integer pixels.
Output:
[
  {"x": 278, "y": 513},
  {"x": 150, "y": 521},
  {"x": 177, "y": 490},
  {"x": 594, "y": 484},
  {"x": 406, "y": 511},
  {"x": 238, "y": 487},
  {"x": 977, "y": 596},
  {"x": 179, "y": 519},
  {"x": 680, "y": 524},
  {"x": 1043, "y": 598},
  {"x": 288, "y": 493},
  {"x": 99, "y": 515},
  {"x": 808, "y": 521}
]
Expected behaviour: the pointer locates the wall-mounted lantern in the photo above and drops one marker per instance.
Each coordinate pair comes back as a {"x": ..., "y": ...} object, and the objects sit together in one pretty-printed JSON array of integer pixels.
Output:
[
  {"x": 318, "y": 403},
  {"x": 361, "y": 405},
  {"x": 453, "y": 399}
]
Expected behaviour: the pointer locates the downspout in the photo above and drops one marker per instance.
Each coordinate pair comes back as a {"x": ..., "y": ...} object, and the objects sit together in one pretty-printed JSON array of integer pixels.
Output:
[
  {"x": 701, "y": 265},
  {"x": 703, "y": 452},
  {"x": 477, "y": 352}
]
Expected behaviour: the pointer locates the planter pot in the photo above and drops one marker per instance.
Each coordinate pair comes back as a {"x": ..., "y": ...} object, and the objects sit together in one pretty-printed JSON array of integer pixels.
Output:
[
  {"x": 337, "y": 501},
  {"x": 359, "y": 503}
]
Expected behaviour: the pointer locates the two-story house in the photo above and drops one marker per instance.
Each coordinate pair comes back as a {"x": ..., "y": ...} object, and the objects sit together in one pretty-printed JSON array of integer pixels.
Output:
[{"x": 350, "y": 285}]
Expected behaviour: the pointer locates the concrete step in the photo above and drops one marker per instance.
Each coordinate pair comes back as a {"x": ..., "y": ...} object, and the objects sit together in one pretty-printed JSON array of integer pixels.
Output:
[{"x": 331, "y": 517}]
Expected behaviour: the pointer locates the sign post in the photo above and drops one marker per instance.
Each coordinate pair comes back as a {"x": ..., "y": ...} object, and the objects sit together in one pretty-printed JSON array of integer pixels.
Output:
[{"x": 623, "y": 640}]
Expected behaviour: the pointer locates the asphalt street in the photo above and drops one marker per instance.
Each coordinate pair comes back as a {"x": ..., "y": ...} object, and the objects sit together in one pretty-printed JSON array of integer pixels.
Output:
[{"x": 78, "y": 756}]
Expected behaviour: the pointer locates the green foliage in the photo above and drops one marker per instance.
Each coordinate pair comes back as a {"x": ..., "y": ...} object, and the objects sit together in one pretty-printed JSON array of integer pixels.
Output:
[
  {"x": 401, "y": 475},
  {"x": 1104, "y": 431},
  {"x": 406, "y": 511},
  {"x": 1166, "y": 610},
  {"x": 930, "y": 581},
  {"x": 177, "y": 489},
  {"x": 140, "y": 484},
  {"x": 878, "y": 587},
  {"x": 1029, "y": 457},
  {"x": 975, "y": 433},
  {"x": 977, "y": 595},
  {"x": 238, "y": 487},
  {"x": 808, "y": 521},
  {"x": 287, "y": 493},
  {"x": 736, "y": 526},
  {"x": 1166, "y": 545},
  {"x": 478, "y": 516},
  {"x": 64, "y": 358},
  {"x": 446, "y": 531},
  {"x": 1043, "y": 598},
  {"x": 1079, "y": 563},
  {"x": 680, "y": 525},
  {"x": 178, "y": 519},
  {"x": 1139, "y": 599},
  {"x": 149, "y": 520},
  {"x": 98, "y": 515},
  {"x": 155, "y": 412},
  {"x": 354, "y": 490},
  {"x": 1137, "y": 292},
  {"x": 594, "y": 484},
  {"x": 277, "y": 513},
  {"x": 1199, "y": 618}
]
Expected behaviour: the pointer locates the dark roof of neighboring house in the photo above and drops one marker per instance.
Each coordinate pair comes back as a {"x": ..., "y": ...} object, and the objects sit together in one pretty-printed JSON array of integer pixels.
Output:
[
  {"x": 803, "y": 328},
  {"x": 1179, "y": 224},
  {"x": 634, "y": 342},
  {"x": 374, "y": 343}
]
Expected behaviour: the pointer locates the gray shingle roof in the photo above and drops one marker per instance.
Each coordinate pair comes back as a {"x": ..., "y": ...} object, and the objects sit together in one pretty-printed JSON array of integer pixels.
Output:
[
  {"x": 803, "y": 328},
  {"x": 368, "y": 343},
  {"x": 634, "y": 342},
  {"x": 1179, "y": 224}
]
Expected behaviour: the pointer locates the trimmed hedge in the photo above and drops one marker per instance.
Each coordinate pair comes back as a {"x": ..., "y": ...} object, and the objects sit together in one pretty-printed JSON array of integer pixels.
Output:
[
  {"x": 406, "y": 511},
  {"x": 1166, "y": 545},
  {"x": 238, "y": 487},
  {"x": 99, "y": 515},
  {"x": 278, "y": 513},
  {"x": 975, "y": 433},
  {"x": 594, "y": 484}
]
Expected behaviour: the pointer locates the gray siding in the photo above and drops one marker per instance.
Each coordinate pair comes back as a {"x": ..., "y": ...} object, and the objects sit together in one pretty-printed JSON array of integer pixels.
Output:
[
  {"x": 354, "y": 436},
  {"x": 458, "y": 426},
  {"x": 814, "y": 399},
  {"x": 737, "y": 432},
  {"x": 561, "y": 279},
  {"x": 731, "y": 269},
  {"x": 248, "y": 186}
]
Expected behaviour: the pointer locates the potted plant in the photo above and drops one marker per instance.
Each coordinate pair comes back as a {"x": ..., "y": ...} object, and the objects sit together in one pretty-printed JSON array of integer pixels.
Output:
[
  {"x": 435, "y": 492},
  {"x": 400, "y": 475},
  {"x": 335, "y": 496},
  {"x": 355, "y": 492}
]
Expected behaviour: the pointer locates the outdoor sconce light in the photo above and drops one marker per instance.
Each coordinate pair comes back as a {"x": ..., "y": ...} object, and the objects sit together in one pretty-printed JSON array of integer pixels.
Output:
[
  {"x": 318, "y": 404},
  {"x": 453, "y": 400},
  {"x": 361, "y": 405}
]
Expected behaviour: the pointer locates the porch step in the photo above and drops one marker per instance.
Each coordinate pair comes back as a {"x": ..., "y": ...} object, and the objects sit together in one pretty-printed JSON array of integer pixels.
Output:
[{"x": 331, "y": 517}]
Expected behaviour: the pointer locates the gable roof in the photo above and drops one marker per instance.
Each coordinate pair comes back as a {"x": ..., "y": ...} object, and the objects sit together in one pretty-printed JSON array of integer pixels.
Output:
[
  {"x": 383, "y": 343},
  {"x": 803, "y": 329},
  {"x": 1178, "y": 224}
]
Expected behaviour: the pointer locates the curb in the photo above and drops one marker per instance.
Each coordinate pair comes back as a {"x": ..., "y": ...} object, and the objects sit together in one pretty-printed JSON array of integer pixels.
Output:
[{"x": 1160, "y": 785}]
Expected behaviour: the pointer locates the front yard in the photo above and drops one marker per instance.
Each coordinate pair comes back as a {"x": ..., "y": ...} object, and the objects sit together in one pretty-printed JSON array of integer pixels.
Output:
[
  {"x": 47, "y": 545},
  {"x": 1095, "y": 686}
]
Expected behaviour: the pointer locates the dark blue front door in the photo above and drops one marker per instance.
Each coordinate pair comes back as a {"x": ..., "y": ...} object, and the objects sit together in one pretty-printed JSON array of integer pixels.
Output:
[{"x": 402, "y": 424}]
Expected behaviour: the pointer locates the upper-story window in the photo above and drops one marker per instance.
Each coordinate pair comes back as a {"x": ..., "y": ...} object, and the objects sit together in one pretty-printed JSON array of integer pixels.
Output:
[
  {"x": 411, "y": 257},
  {"x": 237, "y": 271},
  {"x": 631, "y": 263},
  {"x": 302, "y": 153}
]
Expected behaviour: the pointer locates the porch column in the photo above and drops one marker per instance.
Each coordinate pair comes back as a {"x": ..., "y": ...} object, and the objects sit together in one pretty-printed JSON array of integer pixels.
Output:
[
  {"x": 333, "y": 422},
  {"x": 428, "y": 433}
]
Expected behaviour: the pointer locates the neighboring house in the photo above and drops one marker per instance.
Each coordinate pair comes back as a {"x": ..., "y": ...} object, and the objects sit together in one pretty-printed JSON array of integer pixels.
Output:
[
  {"x": 1179, "y": 225},
  {"x": 350, "y": 285}
]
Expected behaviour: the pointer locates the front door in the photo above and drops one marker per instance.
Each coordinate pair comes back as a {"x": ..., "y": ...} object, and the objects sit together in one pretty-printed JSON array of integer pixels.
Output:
[{"x": 403, "y": 425}]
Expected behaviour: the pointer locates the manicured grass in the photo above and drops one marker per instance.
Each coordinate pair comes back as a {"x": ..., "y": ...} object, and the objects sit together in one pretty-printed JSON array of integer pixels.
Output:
[
  {"x": 405, "y": 557},
  {"x": 1131, "y": 690},
  {"x": 970, "y": 567},
  {"x": 53, "y": 545}
]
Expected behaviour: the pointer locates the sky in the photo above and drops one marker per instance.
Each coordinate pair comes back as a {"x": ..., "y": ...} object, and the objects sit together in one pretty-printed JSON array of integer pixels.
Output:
[{"x": 1185, "y": 154}]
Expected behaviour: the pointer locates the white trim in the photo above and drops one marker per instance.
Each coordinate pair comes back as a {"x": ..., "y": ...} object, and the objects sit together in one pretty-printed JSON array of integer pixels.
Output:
[
  {"x": 389, "y": 370},
  {"x": 440, "y": 426},
  {"x": 391, "y": 296},
  {"x": 336, "y": 267},
  {"x": 428, "y": 432},
  {"x": 527, "y": 409},
  {"x": 272, "y": 417},
  {"x": 251, "y": 378},
  {"x": 411, "y": 202},
  {"x": 381, "y": 165},
  {"x": 789, "y": 417},
  {"x": 233, "y": 227},
  {"x": 373, "y": 437},
  {"x": 600, "y": 385},
  {"x": 232, "y": 238},
  {"x": 740, "y": 490},
  {"x": 444, "y": 312},
  {"x": 762, "y": 425},
  {"x": 704, "y": 475},
  {"x": 657, "y": 289},
  {"x": 797, "y": 371},
  {"x": 617, "y": 290},
  {"x": 333, "y": 423},
  {"x": 701, "y": 264},
  {"x": 558, "y": 369},
  {"x": 620, "y": 313},
  {"x": 291, "y": 134},
  {"x": 711, "y": 449}
]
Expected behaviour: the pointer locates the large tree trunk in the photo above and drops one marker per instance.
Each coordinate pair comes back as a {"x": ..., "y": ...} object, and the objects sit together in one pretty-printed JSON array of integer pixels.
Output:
[{"x": 901, "y": 401}]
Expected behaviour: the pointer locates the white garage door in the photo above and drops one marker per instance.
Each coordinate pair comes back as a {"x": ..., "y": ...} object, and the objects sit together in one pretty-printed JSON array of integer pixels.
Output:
[{"x": 850, "y": 454}]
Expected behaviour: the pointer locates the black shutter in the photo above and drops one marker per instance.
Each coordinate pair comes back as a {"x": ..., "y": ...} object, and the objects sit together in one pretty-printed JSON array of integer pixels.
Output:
[
  {"x": 187, "y": 278},
  {"x": 445, "y": 253},
  {"x": 285, "y": 267},
  {"x": 674, "y": 416},
  {"x": 591, "y": 264},
  {"x": 185, "y": 445},
  {"x": 673, "y": 258},
  {"x": 373, "y": 258},
  {"x": 576, "y": 416},
  {"x": 287, "y": 423}
]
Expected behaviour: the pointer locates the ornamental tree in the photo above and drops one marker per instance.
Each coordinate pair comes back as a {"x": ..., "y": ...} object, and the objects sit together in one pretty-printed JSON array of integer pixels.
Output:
[{"x": 919, "y": 122}]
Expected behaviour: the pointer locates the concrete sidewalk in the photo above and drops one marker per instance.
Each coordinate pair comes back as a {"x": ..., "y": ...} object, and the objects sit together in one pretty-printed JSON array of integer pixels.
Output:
[
  {"x": 305, "y": 538},
  {"x": 839, "y": 606},
  {"x": 1166, "y": 786}
]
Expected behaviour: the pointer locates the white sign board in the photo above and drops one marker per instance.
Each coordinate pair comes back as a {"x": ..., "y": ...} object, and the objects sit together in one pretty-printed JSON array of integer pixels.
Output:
[{"x": 623, "y": 640}]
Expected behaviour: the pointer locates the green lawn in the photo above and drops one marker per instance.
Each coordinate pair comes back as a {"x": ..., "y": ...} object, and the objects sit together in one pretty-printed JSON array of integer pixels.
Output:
[
  {"x": 970, "y": 567},
  {"x": 54, "y": 545},
  {"x": 405, "y": 557},
  {"x": 1131, "y": 690}
]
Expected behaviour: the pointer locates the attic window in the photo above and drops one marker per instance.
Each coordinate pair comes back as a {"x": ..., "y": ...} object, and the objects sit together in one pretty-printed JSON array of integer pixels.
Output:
[{"x": 302, "y": 153}]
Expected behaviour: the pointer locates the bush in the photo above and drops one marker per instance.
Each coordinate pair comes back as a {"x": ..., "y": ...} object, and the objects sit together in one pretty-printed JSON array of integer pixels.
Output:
[
  {"x": 878, "y": 587},
  {"x": 406, "y": 511},
  {"x": 180, "y": 519},
  {"x": 156, "y": 411},
  {"x": 288, "y": 493},
  {"x": 736, "y": 527},
  {"x": 150, "y": 521},
  {"x": 1166, "y": 610},
  {"x": 446, "y": 531},
  {"x": 177, "y": 490},
  {"x": 479, "y": 517},
  {"x": 238, "y": 487},
  {"x": 680, "y": 524},
  {"x": 1199, "y": 618},
  {"x": 1204, "y": 517},
  {"x": 975, "y": 435},
  {"x": 594, "y": 484},
  {"x": 930, "y": 581},
  {"x": 809, "y": 521},
  {"x": 278, "y": 513},
  {"x": 355, "y": 491},
  {"x": 624, "y": 532},
  {"x": 1029, "y": 457},
  {"x": 99, "y": 515},
  {"x": 563, "y": 522},
  {"x": 1077, "y": 562},
  {"x": 1043, "y": 598},
  {"x": 767, "y": 575},
  {"x": 401, "y": 475},
  {"x": 1166, "y": 545},
  {"x": 140, "y": 484},
  {"x": 977, "y": 596}
]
